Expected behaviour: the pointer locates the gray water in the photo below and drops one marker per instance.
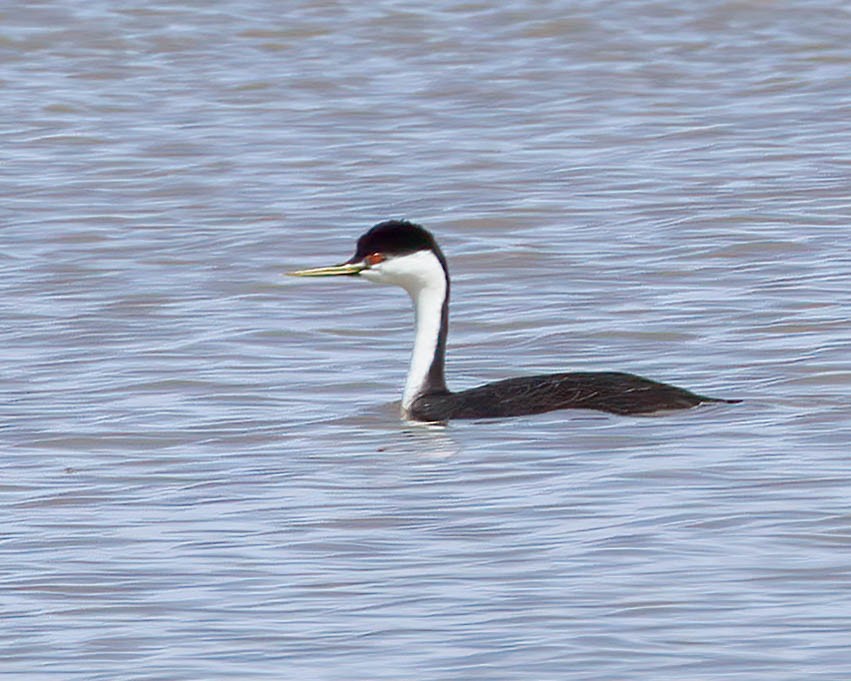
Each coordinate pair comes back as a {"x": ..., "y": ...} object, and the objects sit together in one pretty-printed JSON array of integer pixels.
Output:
[{"x": 204, "y": 473}]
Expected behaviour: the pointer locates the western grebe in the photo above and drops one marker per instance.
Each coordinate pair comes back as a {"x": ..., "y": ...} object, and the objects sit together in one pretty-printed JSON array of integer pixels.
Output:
[{"x": 404, "y": 254}]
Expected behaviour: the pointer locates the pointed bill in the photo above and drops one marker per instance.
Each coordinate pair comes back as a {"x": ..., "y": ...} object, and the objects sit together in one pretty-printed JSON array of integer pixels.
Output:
[{"x": 332, "y": 271}]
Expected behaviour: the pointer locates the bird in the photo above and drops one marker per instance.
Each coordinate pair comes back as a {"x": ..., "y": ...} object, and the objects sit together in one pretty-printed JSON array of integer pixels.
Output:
[{"x": 405, "y": 254}]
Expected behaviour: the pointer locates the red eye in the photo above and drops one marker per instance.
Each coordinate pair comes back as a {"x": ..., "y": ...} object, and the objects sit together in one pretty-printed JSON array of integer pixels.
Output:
[{"x": 374, "y": 258}]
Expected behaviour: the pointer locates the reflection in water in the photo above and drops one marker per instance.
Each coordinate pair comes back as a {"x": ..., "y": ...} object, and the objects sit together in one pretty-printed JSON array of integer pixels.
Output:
[{"x": 431, "y": 440}]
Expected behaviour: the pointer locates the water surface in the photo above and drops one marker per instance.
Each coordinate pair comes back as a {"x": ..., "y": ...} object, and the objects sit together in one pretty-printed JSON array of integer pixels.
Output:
[{"x": 204, "y": 474}]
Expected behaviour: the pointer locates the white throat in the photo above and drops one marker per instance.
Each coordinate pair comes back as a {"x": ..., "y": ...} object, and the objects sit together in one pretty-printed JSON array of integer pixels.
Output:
[{"x": 423, "y": 277}]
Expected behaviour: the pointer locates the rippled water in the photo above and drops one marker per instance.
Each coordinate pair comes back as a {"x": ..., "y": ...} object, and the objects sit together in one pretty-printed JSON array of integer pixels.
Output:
[{"x": 204, "y": 475}]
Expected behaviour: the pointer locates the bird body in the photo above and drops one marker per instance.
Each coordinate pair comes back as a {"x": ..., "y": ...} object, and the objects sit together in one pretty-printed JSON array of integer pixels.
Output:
[
  {"x": 404, "y": 254},
  {"x": 610, "y": 391}
]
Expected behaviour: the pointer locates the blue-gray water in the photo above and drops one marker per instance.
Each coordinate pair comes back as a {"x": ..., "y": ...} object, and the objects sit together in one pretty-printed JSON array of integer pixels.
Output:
[{"x": 204, "y": 475}]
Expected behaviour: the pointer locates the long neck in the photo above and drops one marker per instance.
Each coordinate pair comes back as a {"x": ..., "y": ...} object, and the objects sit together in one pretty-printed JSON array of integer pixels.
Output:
[{"x": 431, "y": 317}]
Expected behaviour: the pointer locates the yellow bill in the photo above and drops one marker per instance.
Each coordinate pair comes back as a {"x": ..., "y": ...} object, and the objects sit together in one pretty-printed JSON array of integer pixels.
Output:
[{"x": 332, "y": 271}]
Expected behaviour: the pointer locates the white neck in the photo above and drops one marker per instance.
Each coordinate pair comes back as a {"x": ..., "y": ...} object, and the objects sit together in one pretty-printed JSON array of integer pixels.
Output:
[
  {"x": 428, "y": 307},
  {"x": 425, "y": 280}
]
